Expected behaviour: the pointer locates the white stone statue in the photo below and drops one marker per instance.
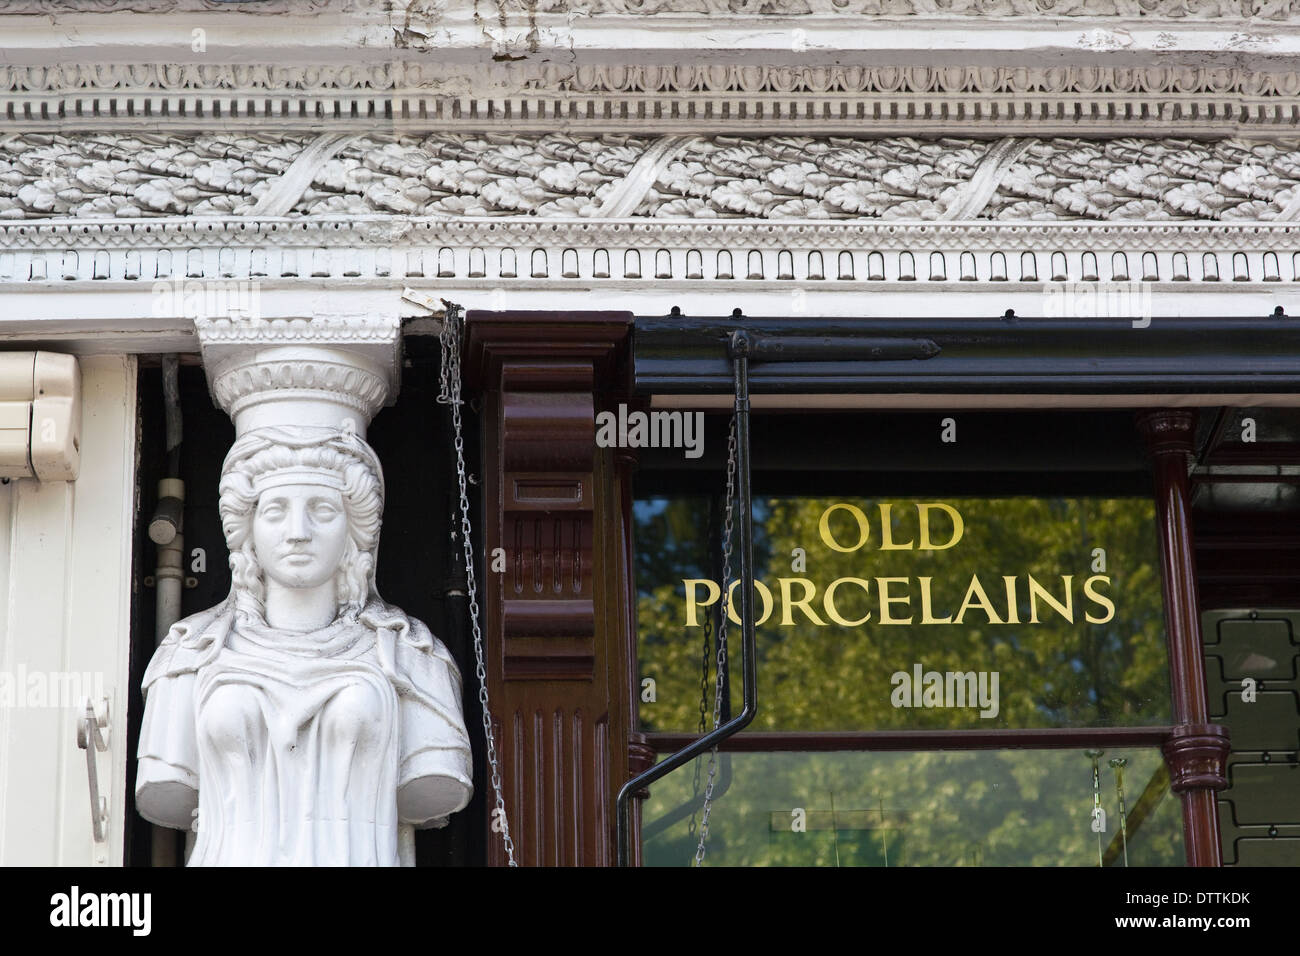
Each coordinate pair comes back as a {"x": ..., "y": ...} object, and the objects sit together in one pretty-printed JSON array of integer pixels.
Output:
[{"x": 307, "y": 721}]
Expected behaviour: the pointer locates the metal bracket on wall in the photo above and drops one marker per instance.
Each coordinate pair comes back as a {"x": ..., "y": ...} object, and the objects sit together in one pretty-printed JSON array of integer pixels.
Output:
[{"x": 93, "y": 727}]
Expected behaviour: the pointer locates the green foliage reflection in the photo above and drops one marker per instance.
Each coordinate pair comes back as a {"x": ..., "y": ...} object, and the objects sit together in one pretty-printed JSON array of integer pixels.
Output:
[{"x": 981, "y": 808}]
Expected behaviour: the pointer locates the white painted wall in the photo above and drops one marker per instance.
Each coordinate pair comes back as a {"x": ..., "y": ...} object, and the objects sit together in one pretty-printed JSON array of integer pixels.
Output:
[{"x": 65, "y": 603}]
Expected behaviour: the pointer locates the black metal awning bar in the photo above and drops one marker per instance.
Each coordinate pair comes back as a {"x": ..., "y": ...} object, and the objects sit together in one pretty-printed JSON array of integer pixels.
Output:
[
  {"x": 1011, "y": 355},
  {"x": 738, "y": 350}
]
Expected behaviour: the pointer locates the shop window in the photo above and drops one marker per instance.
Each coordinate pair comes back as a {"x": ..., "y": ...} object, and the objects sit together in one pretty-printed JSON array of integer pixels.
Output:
[
  {"x": 907, "y": 614},
  {"x": 961, "y": 653}
]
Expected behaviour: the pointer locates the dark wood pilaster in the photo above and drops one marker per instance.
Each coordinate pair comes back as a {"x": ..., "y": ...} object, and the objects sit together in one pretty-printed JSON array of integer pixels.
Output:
[
  {"x": 558, "y": 619},
  {"x": 1196, "y": 750}
]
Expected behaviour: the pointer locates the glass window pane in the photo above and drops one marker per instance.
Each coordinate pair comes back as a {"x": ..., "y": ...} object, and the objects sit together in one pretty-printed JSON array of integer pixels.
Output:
[
  {"x": 907, "y": 614},
  {"x": 977, "y": 808}
]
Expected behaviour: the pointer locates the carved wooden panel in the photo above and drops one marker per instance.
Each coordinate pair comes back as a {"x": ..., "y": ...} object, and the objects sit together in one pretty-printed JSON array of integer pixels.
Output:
[{"x": 559, "y": 639}]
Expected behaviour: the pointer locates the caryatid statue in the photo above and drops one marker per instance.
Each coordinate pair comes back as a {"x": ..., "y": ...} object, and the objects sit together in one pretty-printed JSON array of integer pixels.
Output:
[{"x": 309, "y": 722}]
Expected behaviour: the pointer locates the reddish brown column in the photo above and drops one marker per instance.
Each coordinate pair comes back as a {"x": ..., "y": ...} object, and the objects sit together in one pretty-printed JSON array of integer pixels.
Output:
[
  {"x": 557, "y": 620},
  {"x": 1196, "y": 750}
]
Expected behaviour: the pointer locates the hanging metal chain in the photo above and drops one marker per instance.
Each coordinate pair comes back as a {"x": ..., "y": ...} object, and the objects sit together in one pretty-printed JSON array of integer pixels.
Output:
[
  {"x": 1098, "y": 814},
  {"x": 1118, "y": 764},
  {"x": 725, "y": 609},
  {"x": 705, "y": 663},
  {"x": 450, "y": 388}
]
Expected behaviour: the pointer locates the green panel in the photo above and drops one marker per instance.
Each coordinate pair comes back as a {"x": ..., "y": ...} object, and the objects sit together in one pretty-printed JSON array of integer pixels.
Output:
[
  {"x": 1269, "y": 852},
  {"x": 1270, "y": 722},
  {"x": 975, "y": 808},
  {"x": 1259, "y": 813},
  {"x": 1259, "y": 649},
  {"x": 1265, "y": 793}
]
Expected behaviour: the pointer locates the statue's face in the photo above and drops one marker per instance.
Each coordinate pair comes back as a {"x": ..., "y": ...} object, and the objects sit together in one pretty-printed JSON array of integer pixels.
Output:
[{"x": 299, "y": 534}]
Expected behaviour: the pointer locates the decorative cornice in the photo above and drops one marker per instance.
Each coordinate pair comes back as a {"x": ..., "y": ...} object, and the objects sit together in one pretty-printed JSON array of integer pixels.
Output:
[
  {"x": 212, "y": 234},
  {"x": 257, "y": 7},
  {"x": 424, "y": 15},
  {"x": 632, "y": 97},
  {"x": 184, "y": 260},
  {"x": 405, "y": 77},
  {"x": 1273, "y": 10}
]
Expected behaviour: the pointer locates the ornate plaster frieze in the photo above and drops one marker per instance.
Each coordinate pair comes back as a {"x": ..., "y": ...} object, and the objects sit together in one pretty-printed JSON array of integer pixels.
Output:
[
  {"x": 689, "y": 97},
  {"x": 773, "y": 178}
]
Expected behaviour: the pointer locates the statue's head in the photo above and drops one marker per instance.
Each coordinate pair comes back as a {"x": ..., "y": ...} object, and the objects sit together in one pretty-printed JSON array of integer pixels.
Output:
[{"x": 302, "y": 506}]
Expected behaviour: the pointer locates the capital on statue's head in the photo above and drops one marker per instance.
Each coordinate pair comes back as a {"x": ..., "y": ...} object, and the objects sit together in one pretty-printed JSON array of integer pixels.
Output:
[{"x": 321, "y": 372}]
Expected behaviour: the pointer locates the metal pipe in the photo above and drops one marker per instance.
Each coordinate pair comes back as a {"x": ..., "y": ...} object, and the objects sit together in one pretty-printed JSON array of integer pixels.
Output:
[
  {"x": 165, "y": 530},
  {"x": 739, "y": 352},
  {"x": 172, "y": 412}
]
